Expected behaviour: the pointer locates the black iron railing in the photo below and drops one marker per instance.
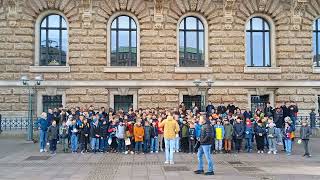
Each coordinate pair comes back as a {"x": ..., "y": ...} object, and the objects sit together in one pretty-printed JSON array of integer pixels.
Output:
[{"x": 15, "y": 123}]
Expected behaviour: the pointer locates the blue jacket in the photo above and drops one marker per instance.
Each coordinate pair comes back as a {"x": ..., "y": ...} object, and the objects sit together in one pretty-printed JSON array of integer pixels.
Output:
[
  {"x": 198, "y": 130},
  {"x": 248, "y": 133},
  {"x": 43, "y": 124},
  {"x": 247, "y": 115}
]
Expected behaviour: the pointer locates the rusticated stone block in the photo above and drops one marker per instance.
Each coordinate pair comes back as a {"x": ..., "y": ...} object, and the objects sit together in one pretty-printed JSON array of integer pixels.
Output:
[
  {"x": 11, "y": 99},
  {"x": 101, "y": 91},
  {"x": 5, "y": 91},
  {"x": 228, "y": 99},
  {"x": 86, "y": 99},
  {"x": 76, "y": 91},
  {"x": 72, "y": 98},
  {"x": 20, "y": 107},
  {"x": 148, "y": 91},
  {"x": 5, "y": 107},
  {"x": 123, "y": 76},
  {"x": 238, "y": 91},
  {"x": 296, "y": 98},
  {"x": 144, "y": 98},
  {"x": 306, "y": 91},
  {"x": 168, "y": 91},
  {"x": 100, "y": 98},
  {"x": 172, "y": 98},
  {"x": 218, "y": 91},
  {"x": 286, "y": 91},
  {"x": 158, "y": 98}
]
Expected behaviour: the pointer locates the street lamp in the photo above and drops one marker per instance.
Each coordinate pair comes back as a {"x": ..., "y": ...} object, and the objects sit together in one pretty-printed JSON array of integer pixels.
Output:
[
  {"x": 209, "y": 84},
  {"x": 31, "y": 85}
]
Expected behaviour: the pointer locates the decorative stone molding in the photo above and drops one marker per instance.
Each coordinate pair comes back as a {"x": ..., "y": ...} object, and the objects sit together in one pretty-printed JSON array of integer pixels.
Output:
[
  {"x": 228, "y": 13},
  {"x": 13, "y": 14},
  {"x": 123, "y": 4},
  {"x": 193, "y": 91},
  {"x": 87, "y": 13},
  {"x": 261, "y": 91},
  {"x": 49, "y": 69},
  {"x": 51, "y": 3},
  {"x": 51, "y": 90},
  {"x": 122, "y": 69},
  {"x": 193, "y": 4},
  {"x": 193, "y": 70},
  {"x": 298, "y": 11},
  {"x": 123, "y": 91},
  {"x": 158, "y": 14},
  {"x": 262, "y": 70},
  {"x": 262, "y": 5}
]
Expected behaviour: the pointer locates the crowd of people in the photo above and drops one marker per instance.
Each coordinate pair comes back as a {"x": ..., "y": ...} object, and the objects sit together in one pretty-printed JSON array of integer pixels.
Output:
[{"x": 81, "y": 130}]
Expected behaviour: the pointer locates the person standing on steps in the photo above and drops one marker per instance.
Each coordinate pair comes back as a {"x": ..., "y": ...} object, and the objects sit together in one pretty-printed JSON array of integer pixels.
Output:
[{"x": 206, "y": 138}]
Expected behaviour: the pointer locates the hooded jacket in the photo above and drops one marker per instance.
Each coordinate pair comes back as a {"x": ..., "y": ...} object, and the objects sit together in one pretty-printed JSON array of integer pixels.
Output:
[{"x": 171, "y": 127}]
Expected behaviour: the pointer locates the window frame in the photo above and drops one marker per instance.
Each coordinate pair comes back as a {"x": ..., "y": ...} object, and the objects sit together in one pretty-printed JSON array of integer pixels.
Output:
[
  {"x": 316, "y": 29},
  {"x": 263, "y": 31},
  {"x": 36, "y": 65},
  {"x": 110, "y": 68}
]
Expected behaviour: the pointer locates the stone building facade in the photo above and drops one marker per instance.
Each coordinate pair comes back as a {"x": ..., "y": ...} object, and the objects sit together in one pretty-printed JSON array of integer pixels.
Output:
[{"x": 157, "y": 80}]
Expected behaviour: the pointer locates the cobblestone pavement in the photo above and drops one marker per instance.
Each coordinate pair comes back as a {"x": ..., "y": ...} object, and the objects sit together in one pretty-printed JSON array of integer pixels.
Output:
[{"x": 16, "y": 163}]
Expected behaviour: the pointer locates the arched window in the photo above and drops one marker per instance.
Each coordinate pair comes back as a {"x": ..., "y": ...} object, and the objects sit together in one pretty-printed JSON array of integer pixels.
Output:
[
  {"x": 123, "y": 41},
  {"x": 191, "y": 42},
  {"x": 53, "y": 41},
  {"x": 316, "y": 43},
  {"x": 258, "y": 43}
]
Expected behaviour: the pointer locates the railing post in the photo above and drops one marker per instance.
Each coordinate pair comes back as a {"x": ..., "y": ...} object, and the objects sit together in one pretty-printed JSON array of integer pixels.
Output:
[{"x": 0, "y": 123}]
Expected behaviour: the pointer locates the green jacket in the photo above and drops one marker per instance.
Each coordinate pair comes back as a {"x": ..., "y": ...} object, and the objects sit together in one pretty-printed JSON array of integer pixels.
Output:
[
  {"x": 228, "y": 131},
  {"x": 184, "y": 131}
]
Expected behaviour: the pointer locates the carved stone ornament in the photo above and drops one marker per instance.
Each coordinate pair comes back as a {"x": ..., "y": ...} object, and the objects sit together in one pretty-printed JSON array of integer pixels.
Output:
[
  {"x": 262, "y": 5},
  {"x": 12, "y": 14},
  {"x": 123, "y": 4},
  {"x": 51, "y": 3},
  {"x": 158, "y": 14},
  {"x": 86, "y": 19},
  {"x": 261, "y": 91},
  {"x": 228, "y": 13},
  {"x": 123, "y": 91},
  {"x": 51, "y": 91},
  {"x": 86, "y": 5},
  {"x": 298, "y": 11},
  {"x": 193, "y": 91},
  {"x": 193, "y": 4},
  {"x": 158, "y": 6}
]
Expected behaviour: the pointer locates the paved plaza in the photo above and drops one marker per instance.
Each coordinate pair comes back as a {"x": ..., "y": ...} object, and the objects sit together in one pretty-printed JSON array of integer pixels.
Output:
[{"x": 20, "y": 160}]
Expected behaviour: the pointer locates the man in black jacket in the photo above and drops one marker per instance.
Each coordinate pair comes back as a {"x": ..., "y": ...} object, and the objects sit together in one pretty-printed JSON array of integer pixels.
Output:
[{"x": 206, "y": 138}]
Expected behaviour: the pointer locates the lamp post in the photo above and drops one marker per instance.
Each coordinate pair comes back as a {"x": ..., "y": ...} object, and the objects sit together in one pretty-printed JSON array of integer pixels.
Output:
[
  {"x": 31, "y": 85},
  {"x": 204, "y": 97}
]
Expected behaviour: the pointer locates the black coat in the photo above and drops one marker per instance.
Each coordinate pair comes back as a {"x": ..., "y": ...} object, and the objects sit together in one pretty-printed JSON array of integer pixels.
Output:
[
  {"x": 206, "y": 134},
  {"x": 94, "y": 131},
  {"x": 84, "y": 129},
  {"x": 238, "y": 130}
]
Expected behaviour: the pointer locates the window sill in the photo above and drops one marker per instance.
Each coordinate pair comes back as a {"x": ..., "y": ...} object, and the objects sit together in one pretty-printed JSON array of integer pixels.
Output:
[
  {"x": 124, "y": 69},
  {"x": 316, "y": 70},
  {"x": 51, "y": 69},
  {"x": 193, "y": 70},
  {"x": 262, "y": 70}
]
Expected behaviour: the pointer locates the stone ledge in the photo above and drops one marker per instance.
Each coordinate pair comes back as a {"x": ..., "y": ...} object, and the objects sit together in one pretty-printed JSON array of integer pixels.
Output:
[
  {"x": 193, "y": 70},
  {"x": 316, "y": 70},
  {"x": 262, "y": 70},
  {"x": 50, "y": 69},
  {"x": 122, "y": 69}
]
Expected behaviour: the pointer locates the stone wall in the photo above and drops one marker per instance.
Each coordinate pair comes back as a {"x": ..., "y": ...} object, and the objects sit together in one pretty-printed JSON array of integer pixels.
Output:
[
  {"x": 13, "y": 101},
  {"x": 158, "y": 97},
  {"x": 84, "y": 97}
]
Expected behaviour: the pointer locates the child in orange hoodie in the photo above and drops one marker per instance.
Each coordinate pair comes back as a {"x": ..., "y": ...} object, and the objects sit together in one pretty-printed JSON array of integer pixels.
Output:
[{"x": 138, "y": 137}]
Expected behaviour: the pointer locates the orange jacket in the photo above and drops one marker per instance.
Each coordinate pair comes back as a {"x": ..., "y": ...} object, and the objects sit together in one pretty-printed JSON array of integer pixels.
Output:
[{"x": 138, "y": 131}]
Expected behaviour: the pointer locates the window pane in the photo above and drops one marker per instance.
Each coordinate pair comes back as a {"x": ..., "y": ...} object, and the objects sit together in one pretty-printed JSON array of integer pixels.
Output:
[
  {"x": 114, "y": 23},
  {"x": 256, "y": 23},
  {"x": 44, "y": 22},
  {"x": 64, "y": 24},
  {"x": 317, "y": 54},
  {"x": 124, "y": 39},
  {"x": 54, "y": 21},
  {"x": 181, "y": 25},
  {"x": 191, "y": 23},
  {"x": 53, "y": 36},
  {"x": 191, "y": 38},
  {"x": 266, "y": 25},
  {"x": 267, "y": 49},
  {"x": 318, "y": 21},
  {"x": 248, "y": 25},
  {"x": 200, "y": 25},
  {"x": 113, "y": 41},
  {"x": 181, "y": 39},
  {"x": 201, "y": 42},
  {"x": 133, "y": 24},
  {"x": 133, "y": 39},
  {"x": 257, "y": 49},
  {"x": 248, "y": 49},
  {"x": 123, "y": 22}
]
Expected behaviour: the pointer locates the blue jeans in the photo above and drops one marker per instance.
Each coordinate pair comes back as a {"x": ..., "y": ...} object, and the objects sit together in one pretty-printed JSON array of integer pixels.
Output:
[
  {"x": 249, "y": 144},
  {"x": 43, "y": 139},
  {"x": 138, "y": 147},
  {"x": 154, "y": 144},
  {"x": 169, "y": 148},
  {"x": 146, "y": 145},
  {"x": 95, "y": 144},
  {"x": 121, "y": 145},
  {"x": 278, "y": 135},
  {"x": 272, "y": 144},
  {"x": 205, "y": 149},
  {"x": 288, "y": 143},
  {"x": 177, "y": 146},
  {"x": 104, "y": 144},
  {"x": 74, "y": 142}
]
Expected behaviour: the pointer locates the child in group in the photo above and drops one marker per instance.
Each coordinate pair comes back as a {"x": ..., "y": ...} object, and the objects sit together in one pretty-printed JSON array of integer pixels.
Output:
[
  {"x": 64, "y": 133},
  {"x": 138, "y": 137},
  {"x": 238, "y": 131},
  {"x": 154, "y": 137},
  {"x": 248, "y": 135},
  {"x": 104, "y": 136},
  {"x": 95, "y": 136},
  {"x": 219, "y": 134},
  {"x": 120, "y": 134},
  {"x": 305, "y": 133},
  {"x": 73, "y": 128},
  {"x": 192, "y": 137},
  {"x": 112, "y": 140},
  {"x": 272, "y": 138},
  {"x": 84, "y": 136},
  {"x": 184, "y": 136},
  {"x": 260, "y": 132},
  {"x": 213, "y": 145},
  {"x": 53, "y": 131},
  {"x": 228, "y": 132},
  {"x": 288, "y": 137},
  {"x": 147, "y": 136}
]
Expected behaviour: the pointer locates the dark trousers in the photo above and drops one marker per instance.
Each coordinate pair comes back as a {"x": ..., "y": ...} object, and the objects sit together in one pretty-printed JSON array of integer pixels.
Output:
[
  {"x": 53, "y": 145},
  {"x": 191, "y": 145},
  {"x": 306, "y": 146},
  {"x": 84, "y": 143},
  {"x": 260, "y": 143},
  {"x": 184, "y": 144},
  {"x": 238, "y": 144}
]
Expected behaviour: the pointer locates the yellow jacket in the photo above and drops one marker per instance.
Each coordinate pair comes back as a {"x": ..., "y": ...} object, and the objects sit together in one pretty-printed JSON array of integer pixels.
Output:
[{"x": 171, "y": 128}]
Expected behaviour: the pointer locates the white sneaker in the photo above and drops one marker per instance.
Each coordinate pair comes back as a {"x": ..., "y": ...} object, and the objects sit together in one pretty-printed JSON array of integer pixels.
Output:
[
  {"x": 269, "y": 152},
  {"x": 171, "y": 162},
  {"x": 41, "y": 150},
  {"x": 166, "y": 162},
  {"x": 274, "y": 152},
  {"x": 44, "y": 150},
  {"x": 126, "y": 152},
  {"x": 132, "y": 152},
  {"x": 157, "y": 152},
  {"x": 262, "y": 152},
  {"x": 258, "y": 152},
  {"x": 151, "y": 152}
]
